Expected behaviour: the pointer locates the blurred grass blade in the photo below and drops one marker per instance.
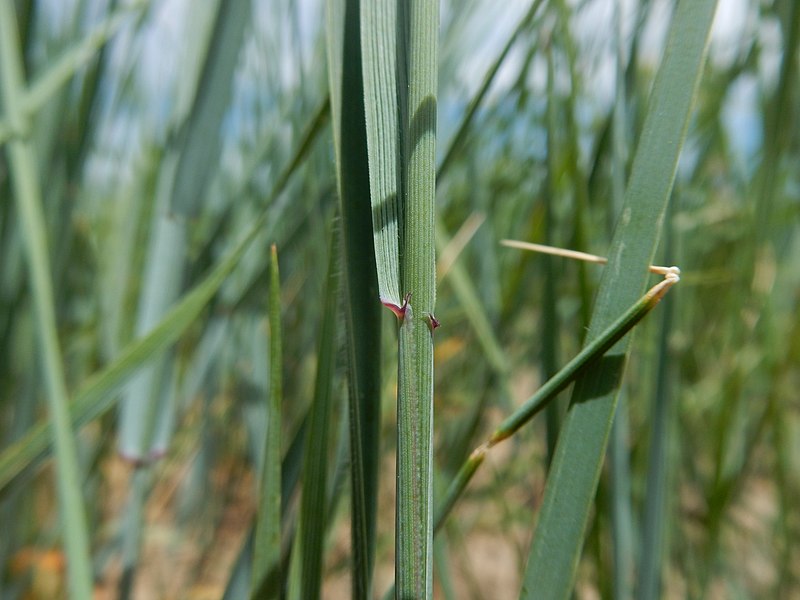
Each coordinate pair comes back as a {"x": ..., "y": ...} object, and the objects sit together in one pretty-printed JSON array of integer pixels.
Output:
[
  {"x": 571, "y": 486},
  {"x": 146, "y": 411},
  {"x": 360, "y": 286},
  {"x": 267, "y": 543},
  {"x": 477, "y": 100},
  {"x": 419, "y": 21},
  {"x": 42, "y": 89},
  {"x": 47, "y": 84},
  {"x": 474, "y": 310},
  {"x": 316, "y": 462},
  {"x": 457, "y": 275},
  {"x": 22, "y": 162},
  {"x": 96, "y": 396},
  {"x": 656, "y": 520},
  {"x": 146, "y": 414},
  {"x": 200, "y": 137}
]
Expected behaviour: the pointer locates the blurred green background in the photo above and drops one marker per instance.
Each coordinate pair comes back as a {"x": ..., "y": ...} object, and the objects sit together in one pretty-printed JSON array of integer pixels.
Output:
[{"x": 162, "y": 130}]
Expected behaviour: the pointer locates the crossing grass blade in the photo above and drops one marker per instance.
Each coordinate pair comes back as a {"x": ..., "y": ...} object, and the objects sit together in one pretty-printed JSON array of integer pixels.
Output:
[
  {"x": 593, "y": 351},
  {"x": 572, "y": 482}
]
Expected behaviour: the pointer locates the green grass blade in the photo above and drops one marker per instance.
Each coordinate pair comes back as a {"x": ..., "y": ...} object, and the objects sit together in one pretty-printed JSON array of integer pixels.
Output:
[
  {"x": 267, "y": 543},
  {"x": 28, "y": 198},
  {"x": 414, "y": 517},
  {"x": 361, "y": 285},
  {"x": 594, "y": 349},
  {"x": 558, "y": 540}
]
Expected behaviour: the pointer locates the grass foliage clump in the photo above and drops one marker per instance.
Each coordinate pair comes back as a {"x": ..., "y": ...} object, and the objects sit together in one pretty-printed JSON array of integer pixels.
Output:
[{"x": 260, "y": 338}]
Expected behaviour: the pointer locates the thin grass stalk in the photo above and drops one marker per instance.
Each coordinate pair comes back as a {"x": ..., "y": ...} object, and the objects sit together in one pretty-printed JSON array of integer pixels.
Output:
[
  {"x": 239, "y": 585},
  {"x": 370, "y": 263},
  {"x": 267, "y": 543},
  {"x": 414, "y": 524},
  {"x": 22, "y": 161},
  {"x": 550, "y": 390},
  {"x": 555, "y": 552}
]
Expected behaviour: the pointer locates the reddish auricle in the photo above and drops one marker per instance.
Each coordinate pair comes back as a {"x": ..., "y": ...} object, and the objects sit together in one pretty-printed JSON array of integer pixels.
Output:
[{"x": 399, "y": 311}]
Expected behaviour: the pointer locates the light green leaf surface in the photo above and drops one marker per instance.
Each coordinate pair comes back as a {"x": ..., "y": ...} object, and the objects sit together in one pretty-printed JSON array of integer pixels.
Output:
[{"x": 383, "y": 59}]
